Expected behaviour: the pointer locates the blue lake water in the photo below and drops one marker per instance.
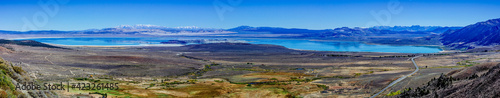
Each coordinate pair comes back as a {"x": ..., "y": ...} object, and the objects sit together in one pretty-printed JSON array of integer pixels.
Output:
[{"x": 289, "y": 43}]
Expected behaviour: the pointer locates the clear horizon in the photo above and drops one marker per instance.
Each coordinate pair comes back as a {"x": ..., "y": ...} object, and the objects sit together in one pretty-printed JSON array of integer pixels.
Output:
[{"x": 68, "y": 15}]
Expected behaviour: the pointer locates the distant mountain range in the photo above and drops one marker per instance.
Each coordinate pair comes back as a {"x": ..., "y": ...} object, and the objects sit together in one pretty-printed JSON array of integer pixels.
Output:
[
  {"x": 417, "y": 28},
  {"x": 143, "y": 26},
  {"x": 135, "y": 30},
  {"x": 397, "y": 35},
  {"x": 245, "y": 31},
  {"x": 345, "y": 32},
  {"x": 485, "y": 33},
  {"x": 476, "y": 35},
  {"x": 273, "y": 30},
  {"x": 157, "y": 30}
]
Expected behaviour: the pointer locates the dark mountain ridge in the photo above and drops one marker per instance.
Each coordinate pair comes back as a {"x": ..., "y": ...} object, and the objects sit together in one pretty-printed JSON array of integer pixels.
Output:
[
  {"x": 415, "y": 28},
  {"x": 485, "y": 33}
]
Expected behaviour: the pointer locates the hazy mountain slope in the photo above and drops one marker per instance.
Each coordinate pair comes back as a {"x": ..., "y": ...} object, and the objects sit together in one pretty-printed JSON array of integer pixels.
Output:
[
  {"x": 127, "y": 30},
  {"x": 274, "y": 30},
  {"x": 245, "y": 31},
  {"x": 415, "y": 28},
  {"x": 485, "y": 33},
  {"x": 375, "y": 29},
  {"x": 346, "y": 32},
  {"x": 157, "y": 30}
]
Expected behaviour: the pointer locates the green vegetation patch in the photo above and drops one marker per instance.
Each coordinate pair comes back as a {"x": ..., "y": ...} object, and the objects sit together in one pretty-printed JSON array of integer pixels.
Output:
[
  {"x": 394, "y": 93},
  {"x": 8, "y": 88}
]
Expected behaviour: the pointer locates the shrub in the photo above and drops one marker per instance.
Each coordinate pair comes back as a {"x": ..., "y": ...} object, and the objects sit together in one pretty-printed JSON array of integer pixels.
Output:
[
  {"x": 322, "y": 86},
  {"x": 394, "y": 93},
  {"x": 18, "y": 69},
  {"x": 219, "y": 81}
]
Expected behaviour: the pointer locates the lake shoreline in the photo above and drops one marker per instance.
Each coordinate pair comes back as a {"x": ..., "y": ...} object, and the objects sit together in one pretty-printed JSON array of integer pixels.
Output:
[{"x": 296, "y": 44}]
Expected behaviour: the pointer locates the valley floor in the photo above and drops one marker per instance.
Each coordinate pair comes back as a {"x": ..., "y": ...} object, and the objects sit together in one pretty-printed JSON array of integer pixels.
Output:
[{"x": 232, "y": 70}]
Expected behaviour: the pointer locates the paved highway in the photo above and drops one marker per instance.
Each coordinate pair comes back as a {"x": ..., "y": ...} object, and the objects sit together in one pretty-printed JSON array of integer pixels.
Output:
[{"x": 394, "y": 82}]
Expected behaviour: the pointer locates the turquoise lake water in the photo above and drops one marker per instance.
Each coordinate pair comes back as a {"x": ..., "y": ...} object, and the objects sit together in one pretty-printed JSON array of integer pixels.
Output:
[{"x": 289, "y": 43}]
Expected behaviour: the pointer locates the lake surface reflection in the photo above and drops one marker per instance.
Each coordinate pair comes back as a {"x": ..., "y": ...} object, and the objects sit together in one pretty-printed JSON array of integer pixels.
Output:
[{"x": 289, "y": 43}]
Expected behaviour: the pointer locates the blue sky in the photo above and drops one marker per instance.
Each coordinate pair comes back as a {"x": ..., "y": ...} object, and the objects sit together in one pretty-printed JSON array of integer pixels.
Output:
[{"x": 20, "y": 15}]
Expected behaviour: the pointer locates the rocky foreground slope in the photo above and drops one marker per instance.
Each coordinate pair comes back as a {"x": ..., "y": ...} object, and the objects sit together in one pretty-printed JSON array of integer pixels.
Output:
[
  {"x": 10, "y": 76},
  {"x": 481, "y": 81}
]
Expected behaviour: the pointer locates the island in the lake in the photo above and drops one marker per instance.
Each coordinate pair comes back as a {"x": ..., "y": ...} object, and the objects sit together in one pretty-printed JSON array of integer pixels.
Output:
[{"x": 201, "y": 41}]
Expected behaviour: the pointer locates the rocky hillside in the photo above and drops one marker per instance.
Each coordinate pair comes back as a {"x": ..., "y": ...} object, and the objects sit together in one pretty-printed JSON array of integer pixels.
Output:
[
  {"x": 10, "y": 76},
  {"x": 485, "y": 33},
  {"x": 481, "y": 81}
]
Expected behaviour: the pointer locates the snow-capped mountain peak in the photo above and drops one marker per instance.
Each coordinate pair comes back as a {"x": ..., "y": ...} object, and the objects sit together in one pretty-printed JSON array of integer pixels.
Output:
[{"x": 148, "y": 26}]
